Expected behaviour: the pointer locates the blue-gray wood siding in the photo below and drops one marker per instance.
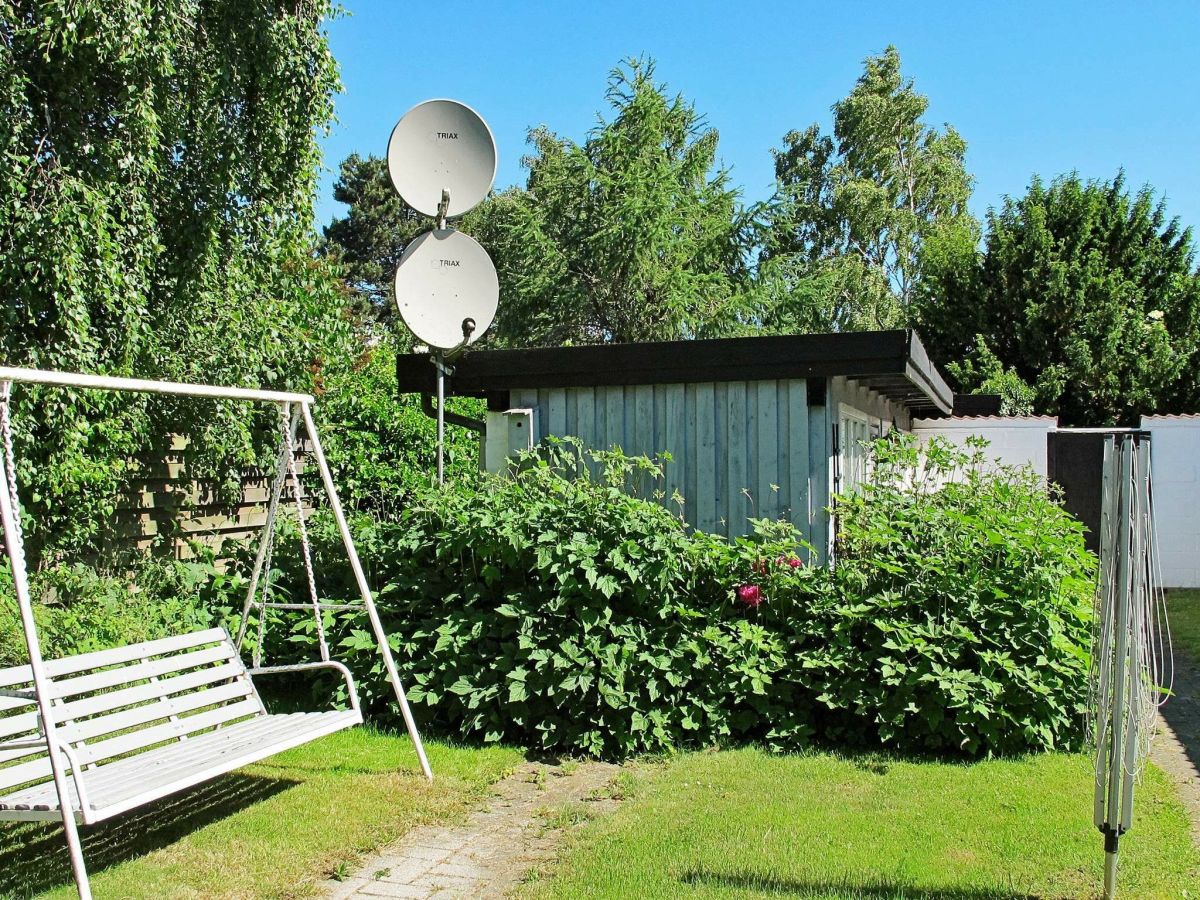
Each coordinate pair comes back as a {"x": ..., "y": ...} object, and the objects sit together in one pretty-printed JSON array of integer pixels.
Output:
[{"x": 740, "y": 450}]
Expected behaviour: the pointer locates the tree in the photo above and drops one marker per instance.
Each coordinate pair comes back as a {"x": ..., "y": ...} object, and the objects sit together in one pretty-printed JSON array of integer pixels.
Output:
[
  {"x": 1085, "y": 291},
  {"x": 629, "y": 236},
  {"x": 370, "y": 239},
  {"x": 159, "y": 164},
  {"x": 852, "y": 210}
]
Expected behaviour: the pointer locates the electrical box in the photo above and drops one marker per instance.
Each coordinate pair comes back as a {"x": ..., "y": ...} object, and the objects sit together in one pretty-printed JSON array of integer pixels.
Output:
[{"x": 508, "y": 432}]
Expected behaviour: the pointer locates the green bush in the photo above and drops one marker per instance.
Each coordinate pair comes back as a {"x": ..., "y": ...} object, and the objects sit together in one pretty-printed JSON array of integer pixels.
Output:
[
  {"x": 556, "y": 610},
  {"x": 78, "y": 609},
  {"x": 569, "y": 611},
  {"x": 381, "y": 446},
  {"x": 958, "y": 616},
  {"x": 564, "y": 609}
]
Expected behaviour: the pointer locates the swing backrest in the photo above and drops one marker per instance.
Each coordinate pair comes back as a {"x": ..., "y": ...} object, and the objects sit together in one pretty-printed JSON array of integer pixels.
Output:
[{"x": 116, "y": 703}]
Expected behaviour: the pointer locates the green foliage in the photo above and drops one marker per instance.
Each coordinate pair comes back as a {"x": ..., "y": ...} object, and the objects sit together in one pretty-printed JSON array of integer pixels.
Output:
[
  {"x": 564, "y": 613},
  {"x": 964, "y": 604},
  {"x": 563, "y": 608},
  {"x": 852, "y": 210},
  {"x": 628, "y": 236},
  {"x": 370, "y": 239},
  {"x": 78, "y": 609},
  {"x": 381, "y": 446},
  {"x": 1085, "y": 291},
  {"x": 158, "y": 165},
  {"x": 983, "y": 373}
]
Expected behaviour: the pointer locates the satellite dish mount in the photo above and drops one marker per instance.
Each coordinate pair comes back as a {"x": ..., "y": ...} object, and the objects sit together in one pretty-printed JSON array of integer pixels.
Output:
[
  {"x": 442, "y": 162},
  {"x": 442, "y": 209}
]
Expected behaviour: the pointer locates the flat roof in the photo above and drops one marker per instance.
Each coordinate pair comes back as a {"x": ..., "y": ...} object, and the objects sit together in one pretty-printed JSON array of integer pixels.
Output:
[{"x": 894, "y": 363}]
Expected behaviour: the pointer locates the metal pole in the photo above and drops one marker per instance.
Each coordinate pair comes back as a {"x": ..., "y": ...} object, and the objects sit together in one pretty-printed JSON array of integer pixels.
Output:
[
  {"x": 268, "y": 529},
  {"x": 142, "y": 386},
  {"x": 1110, "y": 866},
  {"x": 381, "y": 637},
  {"x": 42, "y": 686},
  {"x": 440, "y": 364},
  {"x": 1121, "y": 677}
]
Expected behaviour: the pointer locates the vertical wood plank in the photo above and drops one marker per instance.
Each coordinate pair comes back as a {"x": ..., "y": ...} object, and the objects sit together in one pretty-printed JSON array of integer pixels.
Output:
[
  {"x": 706, "y": 457},
  {"x": 798, "y": 459},
  {"x": 819, "y": 449},
  {"x": 691, "y": 494},
  {"x": 556, "y": 412},
  {"x": 614, "y": 418},
  {"x": 659, "y": 393},
  {"x": 783, "y": 427},
  {"x": 585, "y": 419},
  {"x": 768, "y": 472},
  {"x": 641, "y": 428},
  {"x": 571, "y": 403},
  {"x": 577, "y": 421},
  {"x": 738, "y": 504},
  {"x": 675, "y": 440}
]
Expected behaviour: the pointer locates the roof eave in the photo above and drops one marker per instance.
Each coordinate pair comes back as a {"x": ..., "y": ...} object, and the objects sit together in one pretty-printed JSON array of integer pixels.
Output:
[{"x": 866, "y": 356}]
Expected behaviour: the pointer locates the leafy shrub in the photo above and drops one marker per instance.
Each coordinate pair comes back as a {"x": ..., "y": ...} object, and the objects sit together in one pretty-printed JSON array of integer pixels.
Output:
[
  {"x": 557, "y": 609},
  {"x": 960, "y": 615},
  {"x": 563, "y": 608},
  {"x": 78, "y": 609},
  {"x": 382, "y": 447}
]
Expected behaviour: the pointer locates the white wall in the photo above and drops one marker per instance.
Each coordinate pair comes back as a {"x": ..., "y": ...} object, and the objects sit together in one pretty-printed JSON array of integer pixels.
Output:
[
  {"x": 1175, "y": 471},
  {"x": 1013, "y": 440}
]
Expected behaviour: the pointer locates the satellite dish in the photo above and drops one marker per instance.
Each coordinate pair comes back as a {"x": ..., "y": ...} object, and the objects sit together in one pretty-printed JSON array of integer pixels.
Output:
[
  {"x": 446, "y": 289},
  {"x": 442, "y": 145}
]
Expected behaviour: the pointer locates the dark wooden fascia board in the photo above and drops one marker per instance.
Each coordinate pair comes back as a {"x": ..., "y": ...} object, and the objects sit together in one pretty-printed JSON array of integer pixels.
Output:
[{"x": 862, "y": 355}]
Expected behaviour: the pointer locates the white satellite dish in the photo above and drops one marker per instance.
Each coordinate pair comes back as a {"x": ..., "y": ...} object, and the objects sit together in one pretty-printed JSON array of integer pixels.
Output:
[
  {"x": 446, "y": 289},
  {"x": 442, "y": 145}
]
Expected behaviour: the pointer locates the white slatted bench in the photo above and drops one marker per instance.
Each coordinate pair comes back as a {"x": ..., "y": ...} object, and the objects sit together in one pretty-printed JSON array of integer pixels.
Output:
[{"x": 144, "y": 721}]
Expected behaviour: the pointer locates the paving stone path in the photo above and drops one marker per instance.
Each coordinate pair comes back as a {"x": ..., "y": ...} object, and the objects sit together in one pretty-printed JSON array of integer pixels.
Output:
[{"x": 496, "y": 847}]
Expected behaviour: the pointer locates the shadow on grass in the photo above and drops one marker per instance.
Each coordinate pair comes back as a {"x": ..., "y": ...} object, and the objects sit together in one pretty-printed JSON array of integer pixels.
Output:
[
  {"x": 1182, "y": 710},
  {"x": 868, "y": 888},
  {"x": 33, "y": 856}
]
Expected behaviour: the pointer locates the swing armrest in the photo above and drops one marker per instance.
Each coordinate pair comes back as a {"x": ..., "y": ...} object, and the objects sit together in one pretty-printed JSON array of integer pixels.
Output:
[
  {"x": 302, "y": 667},
  {"x": 72, "y": 761}
]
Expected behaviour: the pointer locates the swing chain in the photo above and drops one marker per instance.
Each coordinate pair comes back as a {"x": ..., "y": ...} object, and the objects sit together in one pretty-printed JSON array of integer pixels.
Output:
[
  {"x": 281, "y": 473},
  {"x": 304, "y": 543}
]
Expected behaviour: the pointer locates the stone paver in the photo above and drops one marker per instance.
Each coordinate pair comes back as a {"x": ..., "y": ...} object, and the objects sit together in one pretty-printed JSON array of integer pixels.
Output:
[{"x": 495, "y": 848}]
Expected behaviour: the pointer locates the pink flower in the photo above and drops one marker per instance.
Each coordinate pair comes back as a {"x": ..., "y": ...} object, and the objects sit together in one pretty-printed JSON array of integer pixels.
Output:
[
  {"x": 793, "y": 561},
  {"x": 750, "y": 595},
  {"x": 760, "y": 566}
]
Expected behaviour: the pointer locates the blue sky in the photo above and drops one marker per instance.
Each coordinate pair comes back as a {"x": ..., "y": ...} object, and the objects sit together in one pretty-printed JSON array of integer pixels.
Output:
[{"x": 1033, "y": 87}]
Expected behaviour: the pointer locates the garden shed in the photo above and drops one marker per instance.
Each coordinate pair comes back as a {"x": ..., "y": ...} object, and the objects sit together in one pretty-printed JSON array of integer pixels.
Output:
[{"x": 756, "y": 427}]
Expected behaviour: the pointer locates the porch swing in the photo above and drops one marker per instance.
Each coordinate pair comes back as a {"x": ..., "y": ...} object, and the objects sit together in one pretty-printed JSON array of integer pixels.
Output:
[{"x": 88, "y": 737}]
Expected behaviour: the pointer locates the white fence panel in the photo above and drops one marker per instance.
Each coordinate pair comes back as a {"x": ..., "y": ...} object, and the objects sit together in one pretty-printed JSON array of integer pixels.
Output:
[
  {"x": 1012, "y": 440},
  {"x": 1175, "y": 472}
]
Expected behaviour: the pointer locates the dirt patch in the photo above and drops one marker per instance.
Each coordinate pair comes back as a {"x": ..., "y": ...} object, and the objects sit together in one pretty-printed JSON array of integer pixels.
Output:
[{"x": 492, "y": 852}]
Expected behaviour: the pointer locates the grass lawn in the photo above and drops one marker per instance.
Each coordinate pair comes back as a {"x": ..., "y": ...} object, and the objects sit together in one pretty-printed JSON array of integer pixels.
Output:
[
  {"x": 1183, "y": 612},
  {"x": 746, "y": 824},
  {"x": 274, "y": 829}
]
